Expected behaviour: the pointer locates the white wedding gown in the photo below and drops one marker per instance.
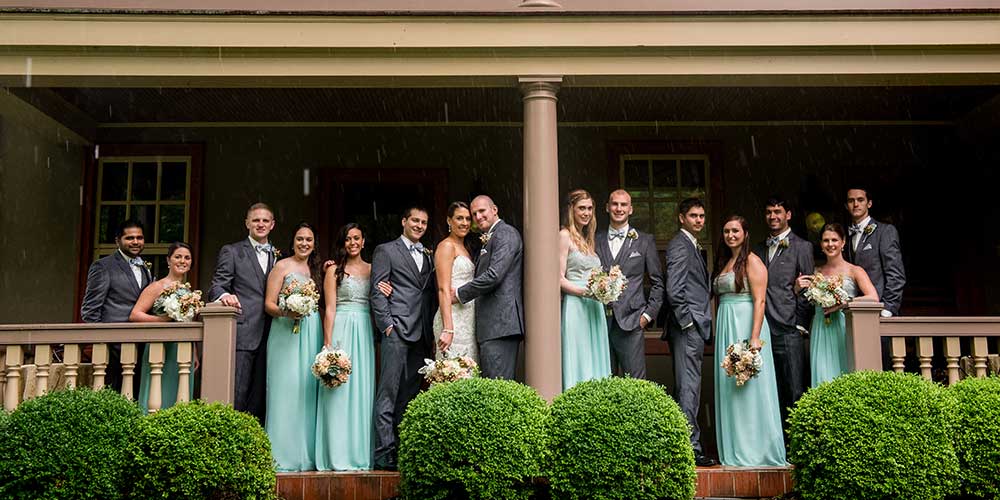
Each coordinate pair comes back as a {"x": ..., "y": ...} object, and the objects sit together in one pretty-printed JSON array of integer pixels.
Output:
[{"x": 463, "y": 316}]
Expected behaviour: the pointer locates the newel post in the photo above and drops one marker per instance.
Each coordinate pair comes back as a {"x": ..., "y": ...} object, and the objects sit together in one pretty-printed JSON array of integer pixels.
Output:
[
  {"x": 864, "y": 341},
  {"x": 218, "y": 366}
]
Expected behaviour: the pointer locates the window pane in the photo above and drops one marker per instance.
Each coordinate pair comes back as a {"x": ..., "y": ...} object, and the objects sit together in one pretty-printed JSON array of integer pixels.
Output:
[
  {"x": 666, "y": 220},
  {"x": 637, "y": 174},
  {"x": 144, "y": 181},
  {"x": 664, "y": 173},
  {"x": 640, "y": 216},
  {"x": 692, "y": 173},
  {"x": 114, "y": 182},
  {"x": 173, "y": 184},
  {"x": 110, "y": 217},
  {"x": 171, "y": 223},
  {"x": 146, "y": 214}
]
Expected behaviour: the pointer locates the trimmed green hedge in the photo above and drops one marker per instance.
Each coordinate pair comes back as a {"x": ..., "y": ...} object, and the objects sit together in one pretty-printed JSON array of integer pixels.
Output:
[
  {"x": 197, "y": 450},
  {"x": 619, "y": 438},
  {"x": 477, "y": 438},
  {"x": 874, "y": 435},
  {"x": 978, "y": 440},
  {"x": 68, "y": 445}
]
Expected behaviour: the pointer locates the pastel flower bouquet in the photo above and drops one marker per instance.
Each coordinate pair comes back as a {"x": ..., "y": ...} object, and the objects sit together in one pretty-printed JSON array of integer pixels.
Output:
[
  {"x": 742, "y": 362},
  {"x": 332, "y": 367},
  {"x": 449, "y": 368},
  {"x": 827, "y": 291},
  {"x": 178, "y": 302},
  {"x": 606, "y": 287},
  {"x": 301, "y": 298}
]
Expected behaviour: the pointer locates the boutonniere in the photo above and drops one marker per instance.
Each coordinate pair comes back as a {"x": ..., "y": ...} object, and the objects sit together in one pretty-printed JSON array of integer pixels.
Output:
[
  {"x": 632, "y": 234},
  {"x": 700, "y": 248},
  {"x": 277, "y": 253},
  {"x": 428, "y": 252},
  {"x": 148, "y": 265},
  {"x": 869, "y": 229},
  {"x": 783, "y": 244},
  {"x": 485, "y": 238}
]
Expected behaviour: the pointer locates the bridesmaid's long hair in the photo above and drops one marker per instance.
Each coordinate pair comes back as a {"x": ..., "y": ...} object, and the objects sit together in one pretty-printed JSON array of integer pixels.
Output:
[
  {"x": 314, "y": 260},
  {"x": 467, "y": 242},
  {"x": 340, "y": 253},
  {"x": 582, "y": 237},
  {"x": 726, "y": 253}
]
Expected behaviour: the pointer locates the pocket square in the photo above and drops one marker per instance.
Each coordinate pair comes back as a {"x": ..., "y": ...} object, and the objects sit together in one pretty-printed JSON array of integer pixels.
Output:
[
  {"x": 634, "y": 254},
  {"x": 482, "y": 252},
  {"x": 867, "y": 247}
]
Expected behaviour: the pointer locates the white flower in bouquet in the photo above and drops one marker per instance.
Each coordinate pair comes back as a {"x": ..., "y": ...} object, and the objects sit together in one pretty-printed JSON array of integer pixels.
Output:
[
  {"x": 299, "y": 298},
  {"x": 827, "y": 291},
  {"x": 742, "y": 362},
  {"x": 178, "y": 302},
  {"x": 332, "y": 367},
  {"x": 606, "y": 287},
  {"x": 449, "y": 368}
]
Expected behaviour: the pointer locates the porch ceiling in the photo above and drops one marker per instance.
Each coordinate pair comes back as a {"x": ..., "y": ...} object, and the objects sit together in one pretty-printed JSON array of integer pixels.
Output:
[{"x": 700, "y": 104}]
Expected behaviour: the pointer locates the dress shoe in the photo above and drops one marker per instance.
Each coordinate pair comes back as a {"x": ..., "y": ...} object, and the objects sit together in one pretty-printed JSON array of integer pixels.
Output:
[
  {"x": 703, "y": 461},
  {"x": 386, "y": 466}
]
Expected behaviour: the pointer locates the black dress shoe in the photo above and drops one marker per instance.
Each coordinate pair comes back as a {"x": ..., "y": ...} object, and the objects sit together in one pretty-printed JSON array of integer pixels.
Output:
[
  {"x": 703, "y": 461},
  {"x": 387, "y": 466}
]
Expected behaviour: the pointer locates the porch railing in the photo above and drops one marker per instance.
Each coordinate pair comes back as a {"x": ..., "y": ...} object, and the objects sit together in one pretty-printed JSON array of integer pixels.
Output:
[
  {"x": 215, "y": 334},
  {"x": 960, "y": 337}
]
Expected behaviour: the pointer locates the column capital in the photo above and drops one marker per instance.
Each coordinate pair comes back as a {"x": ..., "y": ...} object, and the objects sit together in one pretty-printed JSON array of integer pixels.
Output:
[
  {"x": 540, "y": 3},
  {"x": 539, "y": 86}
]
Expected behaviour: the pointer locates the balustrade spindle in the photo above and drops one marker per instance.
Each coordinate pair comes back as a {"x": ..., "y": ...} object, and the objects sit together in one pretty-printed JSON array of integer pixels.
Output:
[
  {"x": 43, "y": 362},
  {"x": 99, "y": 357},
  {"x": 155, "y": 376},
  {"x": 71, "y": 359},
  {"x": 15, "y": 356},
  {"x": 128, "y": 370},
  {"x": 3, "y": 370},
  {"x": 925, "y": 348},
  {"x": 183, "y": 372},
  {"x": 979, "y": 354},
  {"x": 952, "y": 351},
  {"x": 898, "y": 354}
]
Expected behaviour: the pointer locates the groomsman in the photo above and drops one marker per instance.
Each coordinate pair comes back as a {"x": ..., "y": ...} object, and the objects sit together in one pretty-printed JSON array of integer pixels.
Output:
[
  {"x": 635, "y": 253},
  {"x": 689, "y": 318},
  {"x": 497, "y": 292},
  {"x": 787, "y": 257},
  {"x": 405, "y": 319},
  {"x": 875, "y": 247},
  {"x": 240, "y": 281},
  {"x": 113, "y": 286}
]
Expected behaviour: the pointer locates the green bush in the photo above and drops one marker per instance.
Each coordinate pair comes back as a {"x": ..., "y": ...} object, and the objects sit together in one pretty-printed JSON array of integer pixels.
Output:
[
  {"x": 875, "y": 436},
  {"x": 619, "y": 438},
  {"x": 197, "y": 450},
  {"x": 978, "y": 441},
  {"x": 67, "y": 445},
  {"x": 477, "y": 438}
]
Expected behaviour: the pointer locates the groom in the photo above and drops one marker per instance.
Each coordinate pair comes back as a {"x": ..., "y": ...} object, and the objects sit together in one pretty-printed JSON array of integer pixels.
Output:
[
  {"x": 497, "y": 291},
  {"x": 635, "y": 253},
  {"x": 405, "y": 320}
]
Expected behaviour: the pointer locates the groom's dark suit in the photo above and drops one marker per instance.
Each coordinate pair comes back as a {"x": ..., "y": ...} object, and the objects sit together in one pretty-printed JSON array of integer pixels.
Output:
[
  {"x": 409, "y": 310},
  {"x": 636, "y": 258},
  {"x": 238, "y": 272}
]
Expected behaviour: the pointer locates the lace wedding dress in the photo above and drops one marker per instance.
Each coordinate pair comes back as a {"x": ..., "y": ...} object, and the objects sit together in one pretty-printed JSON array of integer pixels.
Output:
[{"x": 463, "y": 316}]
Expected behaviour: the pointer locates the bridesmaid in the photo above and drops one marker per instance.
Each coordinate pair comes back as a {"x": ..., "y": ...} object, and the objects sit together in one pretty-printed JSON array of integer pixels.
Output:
[
  {"x": 747, "y": 419},
  {"x": 178, "y": 264},
  {"x": 344, "y": 414},
  {"x": 291, "y": 387},
  {"x": 827, "y": 342},
  {"x": 585, "y": 351}
]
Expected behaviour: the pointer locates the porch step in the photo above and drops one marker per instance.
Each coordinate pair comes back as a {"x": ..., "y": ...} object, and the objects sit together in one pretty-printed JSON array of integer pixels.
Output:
[{"x": 713, "y": 483}]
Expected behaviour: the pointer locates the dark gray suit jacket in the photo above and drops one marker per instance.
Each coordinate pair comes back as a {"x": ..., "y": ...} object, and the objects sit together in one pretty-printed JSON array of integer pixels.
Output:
[
  {"x": 637, "y": 258},
  {"x": 784, "y": 306},
  {"x": 880, "y": 256},
  {"x": 410, "y": 308},
  {"x": 111, "y": 290},
  {"x": 497, "y": 286},
  {"x": 687, "y": 292},
  {"x": 238, "y": 272}
]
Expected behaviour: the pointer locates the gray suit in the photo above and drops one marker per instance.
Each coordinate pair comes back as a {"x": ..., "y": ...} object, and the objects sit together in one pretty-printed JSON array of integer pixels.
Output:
[
  {"x": 409, "y": 310},
  {"x": 784, "y": 312},
  {"x": 497, "y": 290},
  {"x": 880, "y": 256},
  {"x": 112, "y": 292},
  {"x": 636, "y": 258},
  {"x": 689, "y": 324},
  {"x": 238, "y": 272}
]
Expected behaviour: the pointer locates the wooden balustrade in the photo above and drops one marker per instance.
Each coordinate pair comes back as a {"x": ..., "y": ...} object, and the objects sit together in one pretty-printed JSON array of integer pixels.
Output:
[
  {"x": 215, "y": 334},
  {"x": 866, "y": 329}
]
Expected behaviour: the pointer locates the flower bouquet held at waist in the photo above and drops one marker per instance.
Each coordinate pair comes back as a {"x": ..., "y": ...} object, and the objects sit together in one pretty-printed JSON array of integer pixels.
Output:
[
  {"x": 332, "y": 367},
  {"x": 299, "y": 298},
  {"x": 606, "y": 287},
  {"x": 742, "y": 361},
  {"x": 449, "y": 368},
  {"x": 827, "y": 291},
  {"x": 178, "y": 302}
]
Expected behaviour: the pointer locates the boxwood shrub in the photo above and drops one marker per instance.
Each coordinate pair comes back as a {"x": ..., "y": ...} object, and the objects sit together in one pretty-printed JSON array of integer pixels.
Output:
[
  {"x": 978, "y": 440},
  {"x": 68, "y": 444},
  {"x": 619, "y": 438},
  {"x": 874, "y": 435},
  {"x": 197, "y": 450},
  {"x": 477, "y": 438}
]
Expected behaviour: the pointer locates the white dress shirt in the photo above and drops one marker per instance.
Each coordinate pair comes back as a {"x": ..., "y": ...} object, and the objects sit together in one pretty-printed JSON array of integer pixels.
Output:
[
  {"x": 135, "y": 269},
  {"x": 418, "y": 256},
  {"x": 616, "y": 244},
  {"x": 856, "y": 238},
  {"x": 262, "y": 256},
  {"x": 773, "y": 249}
]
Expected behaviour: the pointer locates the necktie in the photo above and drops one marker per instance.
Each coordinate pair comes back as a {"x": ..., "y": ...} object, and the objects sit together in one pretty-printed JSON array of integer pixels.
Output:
[
  {"x": 773, "y": 241},
  {"x": 854, "y": 229},
  {"x": 263, "y": 247},
  {"x": 417, "y": 248},
  {"x": 136, "y": 261},
  {"x": 614, "y": 235}
]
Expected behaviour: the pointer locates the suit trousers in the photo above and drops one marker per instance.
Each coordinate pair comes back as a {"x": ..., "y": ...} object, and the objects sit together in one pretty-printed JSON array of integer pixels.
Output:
[
  {"x": 791, "y": 366},
  {"x": 498, "y": 357},
  {"x": 688, "y": 351},
  {"x": 251, "y": 381},
  {"x": 628, "y": 352},
  {"x": 398, "y": 384}
]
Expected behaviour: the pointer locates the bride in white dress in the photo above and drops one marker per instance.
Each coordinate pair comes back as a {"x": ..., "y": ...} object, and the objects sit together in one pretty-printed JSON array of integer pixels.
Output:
[{"x": 455, "y": 324}]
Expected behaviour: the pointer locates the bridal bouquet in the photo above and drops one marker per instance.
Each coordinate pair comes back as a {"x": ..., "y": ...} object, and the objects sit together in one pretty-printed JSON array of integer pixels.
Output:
[
  {"x": 332, "y": 367},
  {"x": 448, "y": 368},
  {"x": 299, "y": 298},
  {"x": 606, "y": 287},
  {"x": 178, "y": 302},
  {"x": 827, "y": 291},
  {"x": 742, "y": 361}
]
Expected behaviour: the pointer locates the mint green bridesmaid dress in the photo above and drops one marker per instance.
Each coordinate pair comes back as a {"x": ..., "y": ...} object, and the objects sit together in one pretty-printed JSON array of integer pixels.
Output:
[
  {"x": 585, "y": 351},
  {"x": 828, "y": 341}
]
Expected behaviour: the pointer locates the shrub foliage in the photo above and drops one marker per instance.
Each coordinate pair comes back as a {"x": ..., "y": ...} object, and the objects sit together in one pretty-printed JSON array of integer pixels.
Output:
[
  {"x": 619, "y": 438},
  {"x": 476, "y": 438},
  {"x": 978, "y": 440},
  {"x": 875, "y": 436},
  {"x": 68, "y": 445}
]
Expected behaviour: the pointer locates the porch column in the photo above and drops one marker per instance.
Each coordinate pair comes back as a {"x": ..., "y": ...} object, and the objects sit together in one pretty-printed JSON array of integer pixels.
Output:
[
  {"x": 543, "y": 359},
  {"x": 864, "y": 339}
]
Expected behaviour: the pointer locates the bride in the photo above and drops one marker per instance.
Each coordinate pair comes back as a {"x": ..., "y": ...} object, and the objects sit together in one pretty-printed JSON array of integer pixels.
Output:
[{"x": 455, "y": 324}]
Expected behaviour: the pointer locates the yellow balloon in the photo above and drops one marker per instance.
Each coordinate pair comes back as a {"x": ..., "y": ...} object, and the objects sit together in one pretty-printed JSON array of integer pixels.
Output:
[{"x": 815, "y": 222}]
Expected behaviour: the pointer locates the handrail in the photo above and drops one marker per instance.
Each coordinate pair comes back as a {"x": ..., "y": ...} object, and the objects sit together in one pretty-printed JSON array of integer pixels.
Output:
[
  {"x": 76, "y": 333},
  {"x": 939, "y": 326}
]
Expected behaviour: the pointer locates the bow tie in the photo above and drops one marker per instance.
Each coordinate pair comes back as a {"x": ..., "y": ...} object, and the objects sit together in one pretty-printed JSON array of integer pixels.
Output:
[
  {"x": 854, "y": 229},
  {"x": 136, "y": 261},
  {"x": 416, "y": 247},
  {"x": 263, "y": 247},
  {"x": 773, "y": 241},
  {"x": 614, "y": 235}
]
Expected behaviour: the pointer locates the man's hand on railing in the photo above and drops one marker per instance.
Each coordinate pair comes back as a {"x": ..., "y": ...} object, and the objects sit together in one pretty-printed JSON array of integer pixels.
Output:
[{"x": 230, "y": 300}]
